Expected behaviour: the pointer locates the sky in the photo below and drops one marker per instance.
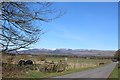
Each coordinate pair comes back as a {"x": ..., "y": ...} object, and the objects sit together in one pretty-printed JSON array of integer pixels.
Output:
[{"x": 86, "y": 25}]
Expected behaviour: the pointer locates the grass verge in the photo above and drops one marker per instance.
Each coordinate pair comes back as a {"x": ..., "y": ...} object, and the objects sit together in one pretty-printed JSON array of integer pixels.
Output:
[
  {"x": 114, "y": 74},
  {"x": 34, "y": 74}
]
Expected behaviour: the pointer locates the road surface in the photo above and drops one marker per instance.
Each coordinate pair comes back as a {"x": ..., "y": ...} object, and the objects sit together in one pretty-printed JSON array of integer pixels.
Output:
[{"x": 101, "y": 72}]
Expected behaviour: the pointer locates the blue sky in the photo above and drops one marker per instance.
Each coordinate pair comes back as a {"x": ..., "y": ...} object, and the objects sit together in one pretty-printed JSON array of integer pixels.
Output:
[{"x": 84, "y": 26}]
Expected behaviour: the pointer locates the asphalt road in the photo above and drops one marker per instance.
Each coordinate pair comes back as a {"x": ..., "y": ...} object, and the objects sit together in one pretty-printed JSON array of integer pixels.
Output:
[{"x": 101, "y": 72}]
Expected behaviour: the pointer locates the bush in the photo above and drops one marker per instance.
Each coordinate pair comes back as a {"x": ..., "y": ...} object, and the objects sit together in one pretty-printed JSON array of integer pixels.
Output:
[
  {"x": 119, "y": 64},
  {"x": 14, "y": 70}
]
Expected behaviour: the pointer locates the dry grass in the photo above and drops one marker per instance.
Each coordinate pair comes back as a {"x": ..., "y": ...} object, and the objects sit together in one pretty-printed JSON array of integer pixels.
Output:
[{"x": 81, "y": 65}]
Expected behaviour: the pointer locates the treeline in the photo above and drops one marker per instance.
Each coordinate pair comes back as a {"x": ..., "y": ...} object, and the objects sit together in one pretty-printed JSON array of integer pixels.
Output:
[
  {"x": 84, "y": 57},
  {"x": 70, "y": 56}
]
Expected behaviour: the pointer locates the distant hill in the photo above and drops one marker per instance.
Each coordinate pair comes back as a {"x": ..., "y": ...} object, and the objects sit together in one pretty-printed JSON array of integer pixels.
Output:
[{"x": 78, "y": 52}]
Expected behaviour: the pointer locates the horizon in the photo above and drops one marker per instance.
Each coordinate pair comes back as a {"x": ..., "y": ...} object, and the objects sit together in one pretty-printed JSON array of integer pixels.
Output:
[{"x": 67, "y": 49}]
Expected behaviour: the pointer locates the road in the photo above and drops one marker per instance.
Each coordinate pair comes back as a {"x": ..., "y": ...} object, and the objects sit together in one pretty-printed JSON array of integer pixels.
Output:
[{"x": 101, "y": 72}]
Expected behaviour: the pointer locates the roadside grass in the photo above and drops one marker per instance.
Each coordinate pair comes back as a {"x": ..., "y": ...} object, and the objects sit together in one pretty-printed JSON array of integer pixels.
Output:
[
  {"x": 34, "y": 74},
  {"x": 114, "y": 73}
]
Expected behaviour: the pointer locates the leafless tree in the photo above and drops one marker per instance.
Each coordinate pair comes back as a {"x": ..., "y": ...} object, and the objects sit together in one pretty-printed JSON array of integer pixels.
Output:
[{"x": 17, "y": 18}]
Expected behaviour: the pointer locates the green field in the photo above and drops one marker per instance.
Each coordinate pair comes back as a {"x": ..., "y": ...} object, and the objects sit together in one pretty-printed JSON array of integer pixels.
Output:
[{"x": 79, "y": 60}]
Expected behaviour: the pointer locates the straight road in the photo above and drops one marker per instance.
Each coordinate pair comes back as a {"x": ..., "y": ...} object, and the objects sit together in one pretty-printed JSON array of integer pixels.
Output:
[{"x": 101, "y": 72}]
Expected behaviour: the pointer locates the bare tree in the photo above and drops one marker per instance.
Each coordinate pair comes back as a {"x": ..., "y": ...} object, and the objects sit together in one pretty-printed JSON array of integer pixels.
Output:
[{"x": 16, "y": 18}]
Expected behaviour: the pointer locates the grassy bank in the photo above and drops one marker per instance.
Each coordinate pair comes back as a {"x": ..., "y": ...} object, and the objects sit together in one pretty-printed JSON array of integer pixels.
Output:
[
  {"x": 34, "y": 74},
  {"x": 114, "y": 73}
]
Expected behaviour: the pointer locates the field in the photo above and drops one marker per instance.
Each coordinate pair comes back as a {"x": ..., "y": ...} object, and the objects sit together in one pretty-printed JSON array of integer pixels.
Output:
[{"x": 74, "y": 65}]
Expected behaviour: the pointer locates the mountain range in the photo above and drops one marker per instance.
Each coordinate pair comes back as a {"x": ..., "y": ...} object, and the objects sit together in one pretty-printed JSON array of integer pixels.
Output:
[{"x": 78, "y": 52}]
